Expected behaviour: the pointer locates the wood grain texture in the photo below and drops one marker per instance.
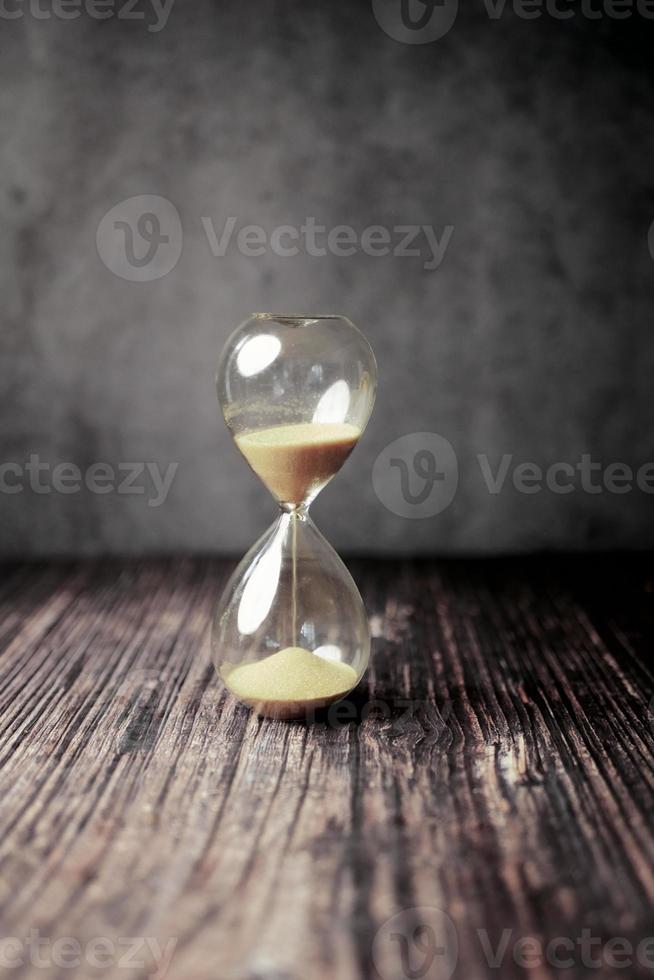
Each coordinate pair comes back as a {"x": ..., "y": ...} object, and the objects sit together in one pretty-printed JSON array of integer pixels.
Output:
[{"x": 494, "y": 771}]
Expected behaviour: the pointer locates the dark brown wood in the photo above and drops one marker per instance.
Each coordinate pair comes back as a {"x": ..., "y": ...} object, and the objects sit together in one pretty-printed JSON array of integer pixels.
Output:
[{"x": 491, "y": 780}]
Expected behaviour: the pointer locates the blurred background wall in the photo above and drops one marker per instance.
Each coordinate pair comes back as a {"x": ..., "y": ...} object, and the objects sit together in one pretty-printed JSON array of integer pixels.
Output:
[{"x": 531, "y": 140}]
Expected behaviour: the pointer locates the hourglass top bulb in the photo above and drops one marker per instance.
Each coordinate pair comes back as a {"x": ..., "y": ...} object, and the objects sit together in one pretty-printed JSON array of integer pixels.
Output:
[{"x": 296, "y": 393}]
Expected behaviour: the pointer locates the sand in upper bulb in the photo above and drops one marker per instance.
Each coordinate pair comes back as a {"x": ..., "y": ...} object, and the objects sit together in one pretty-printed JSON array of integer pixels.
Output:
[
  {"x": 295, "y": 460},
  {"x": 290, "y": 683}
]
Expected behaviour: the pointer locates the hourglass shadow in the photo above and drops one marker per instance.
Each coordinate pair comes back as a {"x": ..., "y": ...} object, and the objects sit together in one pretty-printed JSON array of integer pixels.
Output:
[{"x": 398, "y": 714}]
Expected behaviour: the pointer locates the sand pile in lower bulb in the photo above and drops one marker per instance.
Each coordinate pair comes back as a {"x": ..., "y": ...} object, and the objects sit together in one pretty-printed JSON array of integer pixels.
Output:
[{"x": 289, "y": 683}]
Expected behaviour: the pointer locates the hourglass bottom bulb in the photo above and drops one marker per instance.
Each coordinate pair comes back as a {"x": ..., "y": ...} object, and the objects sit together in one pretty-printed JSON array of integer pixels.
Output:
[{"x": 290, "y": 683}]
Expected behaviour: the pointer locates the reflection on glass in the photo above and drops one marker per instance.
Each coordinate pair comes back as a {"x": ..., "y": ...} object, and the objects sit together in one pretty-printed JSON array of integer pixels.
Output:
[
  {"x": 260, "y": 588},
  {"x": 257, "y": 354},
  {"x": 334, "y": 404}
]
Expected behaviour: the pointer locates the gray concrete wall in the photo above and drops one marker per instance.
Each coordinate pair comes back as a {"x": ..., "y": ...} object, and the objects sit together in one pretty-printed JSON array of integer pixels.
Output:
[{"x": 533, "y": 139}]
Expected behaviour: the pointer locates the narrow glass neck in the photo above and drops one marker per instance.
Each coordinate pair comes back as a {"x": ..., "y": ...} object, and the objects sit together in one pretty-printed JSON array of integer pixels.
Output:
[{"x": 301, "y": 511}]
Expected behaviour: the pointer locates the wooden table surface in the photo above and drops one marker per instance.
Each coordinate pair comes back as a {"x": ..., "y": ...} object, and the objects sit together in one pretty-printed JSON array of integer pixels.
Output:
[{"x": 491, "y": 780}]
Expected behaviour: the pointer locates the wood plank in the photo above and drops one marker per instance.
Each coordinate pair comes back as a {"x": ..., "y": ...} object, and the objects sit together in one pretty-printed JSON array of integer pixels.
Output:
[{"x": 494, "y": 772}]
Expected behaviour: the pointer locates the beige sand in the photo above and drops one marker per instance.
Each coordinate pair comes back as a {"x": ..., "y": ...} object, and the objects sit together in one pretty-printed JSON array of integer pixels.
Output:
[
  {"x": 296, "y": 460},
  {"x": 289, "y": 684}
]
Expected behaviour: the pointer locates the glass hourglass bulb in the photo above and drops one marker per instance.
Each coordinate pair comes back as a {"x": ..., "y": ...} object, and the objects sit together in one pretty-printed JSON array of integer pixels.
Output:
[{"x": 290, "y": 633}]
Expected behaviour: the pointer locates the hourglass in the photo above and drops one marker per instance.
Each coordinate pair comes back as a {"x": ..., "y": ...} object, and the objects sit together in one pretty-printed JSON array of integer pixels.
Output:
[{"x": 290, "y": 633}]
